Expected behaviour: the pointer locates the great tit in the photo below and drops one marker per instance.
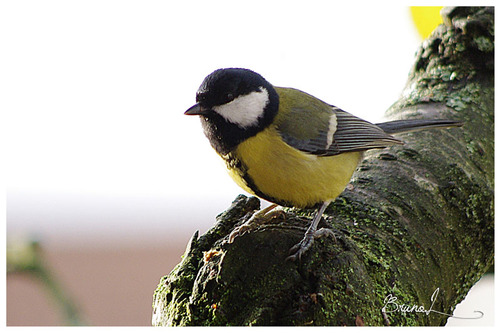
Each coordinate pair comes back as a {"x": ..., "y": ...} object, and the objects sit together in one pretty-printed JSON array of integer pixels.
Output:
[{"x": 287, "y": 146}]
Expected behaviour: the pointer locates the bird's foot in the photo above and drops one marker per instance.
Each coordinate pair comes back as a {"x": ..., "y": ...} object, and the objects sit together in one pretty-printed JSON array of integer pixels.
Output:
[
  {"x": 259, "y": 218},
  {"x": 305, "y": 244}
]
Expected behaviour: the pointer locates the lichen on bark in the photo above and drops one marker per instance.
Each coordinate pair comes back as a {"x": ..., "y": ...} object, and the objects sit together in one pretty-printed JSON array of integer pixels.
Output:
[{"x": 415, "y": 218}]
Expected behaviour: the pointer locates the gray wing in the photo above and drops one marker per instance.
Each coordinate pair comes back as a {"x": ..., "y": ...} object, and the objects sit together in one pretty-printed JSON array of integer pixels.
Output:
[
  {"x": 354, "y": 134},
  {"x": 340, "y": 132}
]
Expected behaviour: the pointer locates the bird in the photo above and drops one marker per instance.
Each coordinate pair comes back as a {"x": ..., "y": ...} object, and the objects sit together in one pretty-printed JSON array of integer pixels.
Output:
[{"x": 287, "y": 146}]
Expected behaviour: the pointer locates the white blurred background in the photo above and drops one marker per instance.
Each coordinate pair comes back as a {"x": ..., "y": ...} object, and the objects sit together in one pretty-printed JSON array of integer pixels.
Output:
[
  {"x": 98, "y": 152},
  {"x": 95, "y": 93}
]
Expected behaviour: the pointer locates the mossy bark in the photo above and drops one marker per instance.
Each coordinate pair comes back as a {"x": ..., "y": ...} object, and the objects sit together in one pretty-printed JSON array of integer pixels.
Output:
[{"x": 416, "y": 218}]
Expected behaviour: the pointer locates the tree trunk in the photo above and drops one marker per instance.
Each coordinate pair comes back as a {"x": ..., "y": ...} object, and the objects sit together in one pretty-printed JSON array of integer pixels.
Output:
[{"x": 416, "y": 218}]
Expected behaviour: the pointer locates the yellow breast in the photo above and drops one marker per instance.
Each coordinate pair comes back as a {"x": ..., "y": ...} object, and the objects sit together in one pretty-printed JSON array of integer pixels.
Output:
[{"x": 287, "y": 175}]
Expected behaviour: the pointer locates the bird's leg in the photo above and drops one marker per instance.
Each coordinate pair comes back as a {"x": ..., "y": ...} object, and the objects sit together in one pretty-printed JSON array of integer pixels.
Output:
[
  {"x": 300, "y": 248},
  {"x": 259, "y": 218}
]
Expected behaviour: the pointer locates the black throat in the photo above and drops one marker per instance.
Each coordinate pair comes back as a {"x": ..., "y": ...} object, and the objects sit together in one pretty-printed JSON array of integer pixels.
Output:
[{"x": 225, "y": 136}]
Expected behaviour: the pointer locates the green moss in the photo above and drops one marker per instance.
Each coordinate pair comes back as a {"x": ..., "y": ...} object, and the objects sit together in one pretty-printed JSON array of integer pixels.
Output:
[
  {"x": 384, "y": 246},
  {"x": 484, "y": 44}
]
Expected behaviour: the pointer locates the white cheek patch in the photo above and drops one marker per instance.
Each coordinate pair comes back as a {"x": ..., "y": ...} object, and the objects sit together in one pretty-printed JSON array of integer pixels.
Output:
[
  {"x": 245, "y": 110},
  {"x": 332, "y": 128}
]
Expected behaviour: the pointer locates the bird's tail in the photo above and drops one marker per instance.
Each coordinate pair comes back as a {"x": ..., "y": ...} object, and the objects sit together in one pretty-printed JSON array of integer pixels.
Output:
[{"x": 411, "y": 125}]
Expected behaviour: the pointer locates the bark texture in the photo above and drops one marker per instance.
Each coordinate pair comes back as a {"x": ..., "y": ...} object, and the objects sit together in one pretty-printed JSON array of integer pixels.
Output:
[{"x": 416, "y": 218}]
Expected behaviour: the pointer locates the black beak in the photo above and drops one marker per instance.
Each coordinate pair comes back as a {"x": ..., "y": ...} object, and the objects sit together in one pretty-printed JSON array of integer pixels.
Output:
[{"x": 196, "y": 110}]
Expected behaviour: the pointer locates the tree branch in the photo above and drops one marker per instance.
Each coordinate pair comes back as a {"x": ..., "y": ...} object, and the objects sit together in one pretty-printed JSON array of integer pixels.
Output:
[{"x": 416, "y": 218}]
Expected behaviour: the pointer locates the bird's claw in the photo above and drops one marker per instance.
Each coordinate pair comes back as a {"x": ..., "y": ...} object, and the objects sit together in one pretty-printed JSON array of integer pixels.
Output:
[
  {"x": 257, "y": 219},
  {"x": 239, "y": 231},
  {"x": 305, "y": 244}
]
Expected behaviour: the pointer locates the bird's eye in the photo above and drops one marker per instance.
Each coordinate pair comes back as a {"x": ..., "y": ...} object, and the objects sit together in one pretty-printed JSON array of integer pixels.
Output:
[{"x": 229, "y": 98}]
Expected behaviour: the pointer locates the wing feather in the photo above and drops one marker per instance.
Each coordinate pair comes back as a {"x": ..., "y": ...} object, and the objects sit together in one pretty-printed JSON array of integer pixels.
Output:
[
  {"x": 315, "y": 127},
  {"x": 351, "y": 134}
]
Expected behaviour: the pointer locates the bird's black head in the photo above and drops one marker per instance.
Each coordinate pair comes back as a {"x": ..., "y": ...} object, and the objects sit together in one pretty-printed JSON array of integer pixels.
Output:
[
  {"x": 225, "y": 85},
  {"x": 234, "y": 104}
]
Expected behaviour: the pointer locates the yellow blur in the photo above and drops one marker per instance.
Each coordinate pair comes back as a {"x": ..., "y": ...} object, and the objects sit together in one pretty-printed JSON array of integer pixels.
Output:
[{"x": 426, "y": 19}]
